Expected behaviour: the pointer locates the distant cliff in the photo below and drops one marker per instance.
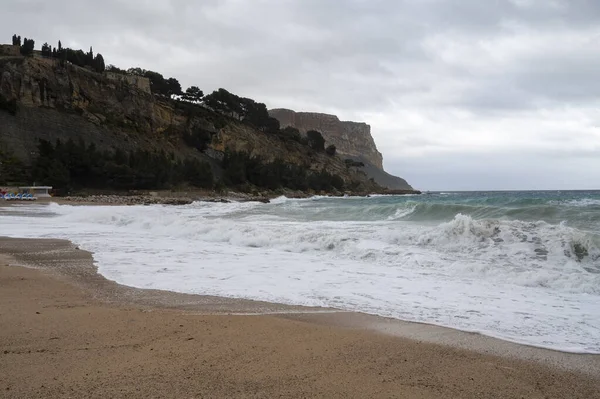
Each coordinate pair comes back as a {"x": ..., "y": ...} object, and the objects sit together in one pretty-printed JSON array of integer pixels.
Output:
[
  {"x": 352, "y": 140},
  {"x": 44, "y": 99}
]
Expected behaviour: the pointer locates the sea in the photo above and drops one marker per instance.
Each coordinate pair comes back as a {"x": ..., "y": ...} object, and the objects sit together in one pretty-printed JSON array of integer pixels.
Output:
[{"x": 519, "y": 266}]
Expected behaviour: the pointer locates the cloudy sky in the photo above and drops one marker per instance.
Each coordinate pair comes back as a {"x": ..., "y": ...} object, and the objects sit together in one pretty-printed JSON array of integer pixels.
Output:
[{"x": 460, "y": 94}]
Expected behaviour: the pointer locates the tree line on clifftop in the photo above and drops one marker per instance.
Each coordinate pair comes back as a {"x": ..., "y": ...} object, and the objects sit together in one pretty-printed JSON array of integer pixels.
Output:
[
  {"x": 76, "y": 165},
  {"x": 76, "y": 57}
]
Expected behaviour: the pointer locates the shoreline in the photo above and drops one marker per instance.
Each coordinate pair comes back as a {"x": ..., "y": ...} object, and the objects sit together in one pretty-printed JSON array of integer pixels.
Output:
[
  {"x": 111, "y": 291},
  {"x": 63, "y": 260},
  {"x": 188, "y": 197}
]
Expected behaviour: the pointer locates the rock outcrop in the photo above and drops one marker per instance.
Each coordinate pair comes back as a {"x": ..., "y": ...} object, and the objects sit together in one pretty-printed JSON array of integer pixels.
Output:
[
  {"x": 352, "y": 139},
  {"x": 65, "y": 102}
]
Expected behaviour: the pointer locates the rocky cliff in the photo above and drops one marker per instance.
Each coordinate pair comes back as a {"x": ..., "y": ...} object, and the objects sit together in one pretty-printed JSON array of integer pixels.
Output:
[
  {"x": 64, "y": 102},
  {"x": 352, "y": 139}
]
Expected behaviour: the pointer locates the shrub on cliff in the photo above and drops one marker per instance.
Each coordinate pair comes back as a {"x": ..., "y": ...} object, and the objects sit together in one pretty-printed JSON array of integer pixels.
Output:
[
  {"x": 240, "y": 168},
  {"x": 224, "y": 102},
  {"x": 243, "y": 109},
  {"x": 193, "y": 94},
  {"x": 293, "y": 134},
  {"x": 46, "y": 50},
  {"x": 158, "y": 83},
  {"x": 27, "y": 47},
  {"x": 115, "y": 69},
  {"x": 99, "y": 63},
  {"x": 324, "y": 181},
  {"x": 331, "y": 150},
  {"x": 198, "y": 139},
  {"x": 315, "y": 140},
  {"x": 78, "y": 57}
]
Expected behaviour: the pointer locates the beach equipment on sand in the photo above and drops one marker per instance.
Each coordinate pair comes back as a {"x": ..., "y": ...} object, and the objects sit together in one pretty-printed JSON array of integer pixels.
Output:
[{"x": 38, "y": 191}]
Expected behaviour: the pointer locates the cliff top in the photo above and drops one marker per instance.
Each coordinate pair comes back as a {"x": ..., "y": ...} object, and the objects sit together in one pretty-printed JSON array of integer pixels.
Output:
[{"x": 316, "y": 114}]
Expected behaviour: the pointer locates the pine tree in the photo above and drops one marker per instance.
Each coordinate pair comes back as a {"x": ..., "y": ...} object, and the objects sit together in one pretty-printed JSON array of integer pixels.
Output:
[
  {"x": 99, "y": 65},
  {"x": 193, "y": 94},
  {"x": 90, "y": 57},
  {"x": 46, "y": 52},
  {"x": 28, "y": 46}
]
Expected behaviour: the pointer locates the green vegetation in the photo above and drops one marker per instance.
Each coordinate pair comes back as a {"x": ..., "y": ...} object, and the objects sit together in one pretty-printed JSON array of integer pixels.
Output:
[
  {"x": 76, "y": 57},
  {"x": 243, "y": 109},
  {"x": 46, "y": 50},
  {"x": 315, "y": 140},
  {"x": 198, "y": 139},
  {"x": 74, "y": 165},
  {"x": 12, "y": 170},
  {"x": 193, "y": 94},
  {"x": 82, "y": 59},
  {"x": 241, "y": 169},
  {"x": 28, "y": 46}
]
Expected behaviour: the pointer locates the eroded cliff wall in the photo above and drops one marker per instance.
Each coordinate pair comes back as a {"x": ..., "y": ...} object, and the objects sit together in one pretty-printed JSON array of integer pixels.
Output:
[
  {"x": 67, "y": 102},
  {"x": 352, "y": 140}
]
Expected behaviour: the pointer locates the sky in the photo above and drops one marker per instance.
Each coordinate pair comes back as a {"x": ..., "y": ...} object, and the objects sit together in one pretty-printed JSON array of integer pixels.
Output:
[{"x": 460, "y": 94}]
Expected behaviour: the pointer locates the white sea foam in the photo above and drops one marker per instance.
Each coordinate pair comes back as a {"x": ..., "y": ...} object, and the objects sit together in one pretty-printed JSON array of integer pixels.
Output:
[
  {"x": 583, "y": 202},
  {"x": 520, "y": 281}
]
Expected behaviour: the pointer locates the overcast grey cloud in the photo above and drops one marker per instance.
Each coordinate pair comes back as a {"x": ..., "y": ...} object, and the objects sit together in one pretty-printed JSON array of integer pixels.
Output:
[{"x": 460, "y": 94}]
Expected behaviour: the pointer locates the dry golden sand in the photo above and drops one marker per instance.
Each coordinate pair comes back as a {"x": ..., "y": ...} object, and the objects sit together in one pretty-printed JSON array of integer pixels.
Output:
[{"x": 67, "y": 332}]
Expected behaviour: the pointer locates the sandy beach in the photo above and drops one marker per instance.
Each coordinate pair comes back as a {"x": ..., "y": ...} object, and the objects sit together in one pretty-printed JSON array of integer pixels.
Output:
[{"x": 68, "y": 332}]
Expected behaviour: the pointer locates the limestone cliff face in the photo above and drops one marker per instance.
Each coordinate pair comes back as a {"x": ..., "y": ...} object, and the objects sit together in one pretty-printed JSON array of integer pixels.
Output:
[
  {"x": 68, "y": 102},
  {"x": 352, "y": 140}
]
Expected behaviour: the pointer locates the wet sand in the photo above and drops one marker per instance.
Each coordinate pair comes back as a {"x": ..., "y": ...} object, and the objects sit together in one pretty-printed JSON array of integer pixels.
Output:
[{"x": 65, "y": 331}]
